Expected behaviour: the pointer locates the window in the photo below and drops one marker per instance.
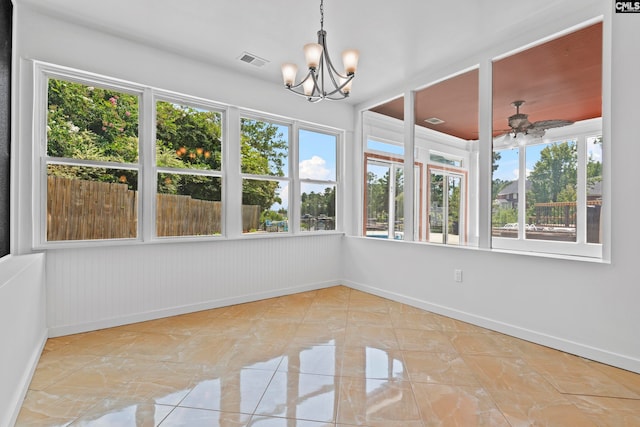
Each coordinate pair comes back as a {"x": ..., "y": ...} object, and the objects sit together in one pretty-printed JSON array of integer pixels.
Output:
[
  {"x": 189, "y": 170},
  {"x": 265, "y": 176},
  {"x": 547, "y": 170},
  {"x": 555, "y": 205},
  {"x": 317, "y": 170},
  {"x": 104, "y": 159},
  {"x": 384, "y": 197},
  {"x": 92, "y": 161},
  {"x": 446, "y": 202}
]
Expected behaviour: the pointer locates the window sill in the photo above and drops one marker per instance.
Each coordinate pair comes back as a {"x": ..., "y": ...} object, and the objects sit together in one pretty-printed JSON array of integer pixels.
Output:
[
  {"x": 520, "y": 252},
  {"x": 174, "y": 240}
]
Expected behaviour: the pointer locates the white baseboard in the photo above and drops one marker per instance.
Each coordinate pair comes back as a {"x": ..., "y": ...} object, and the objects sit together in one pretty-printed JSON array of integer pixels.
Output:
[
  {"x": 22, "y": 388},
  {"x": 58, "y": 331},
  {"x": 568, "y": 346}
]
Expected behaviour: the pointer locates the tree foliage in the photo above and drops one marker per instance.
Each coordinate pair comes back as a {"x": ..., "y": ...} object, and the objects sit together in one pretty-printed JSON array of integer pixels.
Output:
[
  {"x": 263, "y": 152},
  {"x": 101, "y": 124},
  {"x": 554, "y": 175}
]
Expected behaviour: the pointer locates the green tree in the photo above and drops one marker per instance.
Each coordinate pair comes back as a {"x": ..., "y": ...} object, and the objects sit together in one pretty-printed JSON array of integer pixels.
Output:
[
  {"x": 101, "y": 124},
  {"x": 263, "y": 150},
  {"x": 554, "y": 173},
  {"x": 188, "y": 137},
  {"x": 90, "y": 123}
]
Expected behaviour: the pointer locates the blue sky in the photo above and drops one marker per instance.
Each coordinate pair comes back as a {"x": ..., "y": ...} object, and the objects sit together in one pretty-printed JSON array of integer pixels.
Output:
[
  {"x": 508, "y": 168},
  {"x": 317, "y": 152}
]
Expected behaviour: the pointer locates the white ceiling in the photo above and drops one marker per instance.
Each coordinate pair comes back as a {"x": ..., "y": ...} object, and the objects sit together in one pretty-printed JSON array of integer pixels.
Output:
[{"x": 397, "y": 39}]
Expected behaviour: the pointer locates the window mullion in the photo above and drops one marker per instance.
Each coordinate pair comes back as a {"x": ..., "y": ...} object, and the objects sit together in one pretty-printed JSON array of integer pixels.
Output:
[
  {"x": 147, "y": 137},
  {"x": 581, "y": 191},
  {"x": 522, "y": 191},
  {"x": 232, "y": 181},
  {"x": 294, "y": 183}
]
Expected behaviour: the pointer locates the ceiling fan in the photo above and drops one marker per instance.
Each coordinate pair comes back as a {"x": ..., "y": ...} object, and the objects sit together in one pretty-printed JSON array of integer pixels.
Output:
[{"x": 519, "y": 123}]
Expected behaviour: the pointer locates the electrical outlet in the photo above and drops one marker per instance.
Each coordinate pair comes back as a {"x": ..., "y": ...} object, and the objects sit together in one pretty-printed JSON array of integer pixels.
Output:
[{"x": 457, "y": 275}]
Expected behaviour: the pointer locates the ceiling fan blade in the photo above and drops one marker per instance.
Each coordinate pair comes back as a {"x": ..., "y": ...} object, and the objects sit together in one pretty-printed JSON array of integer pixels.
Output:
[{"x": 548, "y": 124}]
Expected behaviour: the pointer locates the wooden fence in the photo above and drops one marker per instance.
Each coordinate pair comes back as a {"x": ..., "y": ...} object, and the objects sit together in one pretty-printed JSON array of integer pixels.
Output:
[{"x": 87, "y": 210}]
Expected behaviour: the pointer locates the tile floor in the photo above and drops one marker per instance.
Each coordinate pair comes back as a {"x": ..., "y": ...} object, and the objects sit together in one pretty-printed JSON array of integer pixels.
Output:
[{"x": 333, "y": 357}]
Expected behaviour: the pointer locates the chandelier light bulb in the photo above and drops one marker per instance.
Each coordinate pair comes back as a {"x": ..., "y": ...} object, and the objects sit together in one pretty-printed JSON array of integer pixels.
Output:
[
  {"x": 347, "y": 87},
  {"x": 289, "y": 72},
  {"x": 350, "y": 60},
  {"x": 308, "y": 86},
  {"x": 312, "y": 54}
]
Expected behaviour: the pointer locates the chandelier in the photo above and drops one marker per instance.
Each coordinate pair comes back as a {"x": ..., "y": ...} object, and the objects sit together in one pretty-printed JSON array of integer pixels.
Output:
[{"x": 322, "y": 81}]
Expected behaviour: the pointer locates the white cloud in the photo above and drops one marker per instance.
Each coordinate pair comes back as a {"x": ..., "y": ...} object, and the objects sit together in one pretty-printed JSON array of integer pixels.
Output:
[{"x": 314, "y": 168}]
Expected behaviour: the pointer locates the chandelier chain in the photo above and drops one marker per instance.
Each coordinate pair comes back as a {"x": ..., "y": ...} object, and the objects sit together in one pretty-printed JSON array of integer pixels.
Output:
[{"x": 321, "y": 15}]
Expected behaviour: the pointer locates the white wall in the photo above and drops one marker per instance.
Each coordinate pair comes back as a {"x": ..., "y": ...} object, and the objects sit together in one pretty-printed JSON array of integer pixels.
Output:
[
  {"x": 23, "y": 329},
  {"x": 586, "y": 308},
  {"x": 90, "y": 288}
]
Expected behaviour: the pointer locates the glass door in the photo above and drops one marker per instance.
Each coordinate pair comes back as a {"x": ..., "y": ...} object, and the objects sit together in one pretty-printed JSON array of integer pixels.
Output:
[
  {"x": 384, "y": 199},
  {"x": 446, "y": 207}
]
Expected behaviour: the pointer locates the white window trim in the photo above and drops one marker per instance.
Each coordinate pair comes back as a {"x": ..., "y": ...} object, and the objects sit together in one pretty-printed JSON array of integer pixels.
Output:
[
  {"x": 299, "y": 181},
  {"x": 578, "y": 132},
  {"x": 43, "y": 72},
  {"x": 147, "y": 169},
  {"x": 154, "y": 169}
]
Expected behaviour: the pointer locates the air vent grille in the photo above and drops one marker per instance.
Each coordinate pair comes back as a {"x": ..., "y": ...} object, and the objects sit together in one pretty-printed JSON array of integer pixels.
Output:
[
  {"x": 434, "y": 121},
  {"x": 252, "y": 59}
]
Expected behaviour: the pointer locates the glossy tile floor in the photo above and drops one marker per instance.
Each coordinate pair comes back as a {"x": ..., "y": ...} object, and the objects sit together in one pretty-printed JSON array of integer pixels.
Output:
[{"x": 333, "y": 357}]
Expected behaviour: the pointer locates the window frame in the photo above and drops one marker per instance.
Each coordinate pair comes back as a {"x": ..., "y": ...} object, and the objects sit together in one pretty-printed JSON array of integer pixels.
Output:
[
  {"x": 288, "y": 178},
  {"x": 147, "y": 169},
  {"x": 580, "y": 132},
  {"x": 43, "y": 73},
  {"x": 301, "y": 181},
  {"x": 190, "y": 101}
]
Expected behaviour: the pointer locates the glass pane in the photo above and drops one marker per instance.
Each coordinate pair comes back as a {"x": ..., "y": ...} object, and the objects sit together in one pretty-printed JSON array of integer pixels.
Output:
[
  {"x": 385, "y": 147},
  {"x": 188, "y": 137},
  {"x": 188, "y": 205},
  {"x": 92, "y": 123},
  {"x": 87, "y": 203},
  {"x": 504, "y": 191},
  {"x": 377, "y": 200},
  {"x": 264, "y": 206},
  {"x": 398, "y": 198},
  {"x": 317, "y": 207},
  {"x": 436, "y": 209},
  {"x": 317, "y": 154},
  {"x": 453, "y": 209},
  {"x": 594, "y": 189},
  {"x": 445, "y": 160},
  {"x": 264, "y": 148},
  {"x": 551, "y": 195}
]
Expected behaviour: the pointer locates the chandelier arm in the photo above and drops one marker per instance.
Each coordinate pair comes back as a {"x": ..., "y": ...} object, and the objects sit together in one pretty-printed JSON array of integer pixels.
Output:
[
  {"x": 333, "y": 77},
  {"x": 332, "y": 72}
]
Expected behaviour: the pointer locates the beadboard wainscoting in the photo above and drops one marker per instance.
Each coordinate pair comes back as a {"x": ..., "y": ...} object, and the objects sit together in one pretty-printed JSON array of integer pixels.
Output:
[
  {"x": 94, "y": 288},
  {"x": 23, "y": 328}
]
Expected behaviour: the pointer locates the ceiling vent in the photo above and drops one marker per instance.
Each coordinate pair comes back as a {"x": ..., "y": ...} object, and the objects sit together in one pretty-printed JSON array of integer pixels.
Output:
[
  {"x": 252, "y": 59},
  {"x": 434, "y": 121}
]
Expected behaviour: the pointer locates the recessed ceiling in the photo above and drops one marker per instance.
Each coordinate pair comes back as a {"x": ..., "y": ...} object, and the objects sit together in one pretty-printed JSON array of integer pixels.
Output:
[{"x": 397, "y": 39}]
